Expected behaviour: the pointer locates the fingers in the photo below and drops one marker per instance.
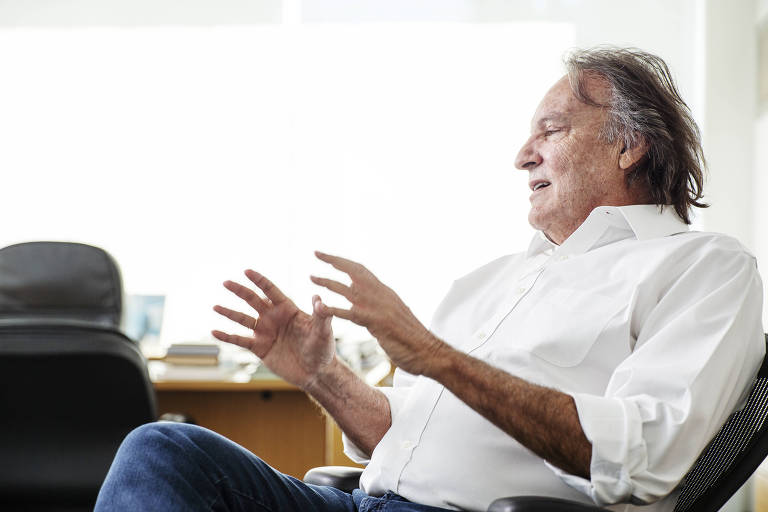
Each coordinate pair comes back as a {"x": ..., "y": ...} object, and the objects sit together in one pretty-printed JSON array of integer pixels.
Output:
[
  {"x": 236, "y": 316},
  {"x": 334, "y": 286},
  {"x": 234, "y": 339},
  {"x": 318, "y": 308},
  {"x": 272, "y": 292},
  {"x": 251, "y": 344},
  {"x": 248, "y": 295},
  {"x": 350, "y": 267},
  {"x": 341, "y": 313}
]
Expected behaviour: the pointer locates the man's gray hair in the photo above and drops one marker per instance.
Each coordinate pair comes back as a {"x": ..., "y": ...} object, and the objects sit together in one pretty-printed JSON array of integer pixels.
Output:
[{"x": 645, "y": 106}]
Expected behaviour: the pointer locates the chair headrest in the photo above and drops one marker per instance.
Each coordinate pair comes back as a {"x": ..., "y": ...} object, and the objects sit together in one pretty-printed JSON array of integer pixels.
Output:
[{"x": 59, "y": 281}]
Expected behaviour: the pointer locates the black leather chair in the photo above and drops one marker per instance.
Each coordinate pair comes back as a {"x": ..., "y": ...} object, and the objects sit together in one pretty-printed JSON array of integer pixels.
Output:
[
  {"x": 721, "y": 469},
  {"x": 71, "y": 384}
]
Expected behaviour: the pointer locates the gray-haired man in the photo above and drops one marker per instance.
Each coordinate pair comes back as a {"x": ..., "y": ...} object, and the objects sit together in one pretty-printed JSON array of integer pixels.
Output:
[{"x": 595, "y": 366}]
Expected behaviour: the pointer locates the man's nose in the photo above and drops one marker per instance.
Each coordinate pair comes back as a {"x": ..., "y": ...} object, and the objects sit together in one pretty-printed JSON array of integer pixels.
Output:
[{"x": 528, "y": 158}]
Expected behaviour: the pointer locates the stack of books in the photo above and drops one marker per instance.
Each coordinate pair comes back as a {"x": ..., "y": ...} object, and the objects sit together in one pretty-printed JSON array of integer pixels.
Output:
[
  {"x": 192, "y": 354},
  {"x": 203, "y": 362}
]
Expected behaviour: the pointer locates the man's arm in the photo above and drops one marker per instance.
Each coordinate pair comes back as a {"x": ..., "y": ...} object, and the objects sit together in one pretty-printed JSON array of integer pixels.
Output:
[
  {"x": 361, "y": 411},
  {"x": 542, "y": 419}
]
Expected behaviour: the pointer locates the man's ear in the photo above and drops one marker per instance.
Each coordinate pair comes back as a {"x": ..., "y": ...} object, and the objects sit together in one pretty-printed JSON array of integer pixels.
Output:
[{"x": 631, "y": 156}]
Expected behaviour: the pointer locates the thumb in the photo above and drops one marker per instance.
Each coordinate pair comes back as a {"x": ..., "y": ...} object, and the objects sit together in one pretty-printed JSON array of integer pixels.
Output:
[{"x": 319, "y": 310}]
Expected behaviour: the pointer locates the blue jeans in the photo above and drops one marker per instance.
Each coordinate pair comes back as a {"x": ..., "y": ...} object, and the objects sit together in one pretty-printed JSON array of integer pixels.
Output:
[{"x": 175, "y": 466}]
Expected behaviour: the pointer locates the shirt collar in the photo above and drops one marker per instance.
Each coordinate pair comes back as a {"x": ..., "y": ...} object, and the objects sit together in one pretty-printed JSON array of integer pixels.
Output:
[
  {"x": 643, "y": 221},
  {"x": 651, "y": 221},
  {"x": 540, "y": 244}
]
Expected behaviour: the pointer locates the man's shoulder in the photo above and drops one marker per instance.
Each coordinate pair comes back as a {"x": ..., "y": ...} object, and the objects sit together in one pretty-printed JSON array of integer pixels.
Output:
[
  {"x": 708, "y": 244},
  {"x": 713, "y": 257}
]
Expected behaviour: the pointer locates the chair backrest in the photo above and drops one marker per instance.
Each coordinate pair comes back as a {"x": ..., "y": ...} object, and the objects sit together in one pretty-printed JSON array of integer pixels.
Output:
[
  {"x": 71, "y": 384},
  {"x": 59, "y": 282},
  {"x": 732, "y": 456}
]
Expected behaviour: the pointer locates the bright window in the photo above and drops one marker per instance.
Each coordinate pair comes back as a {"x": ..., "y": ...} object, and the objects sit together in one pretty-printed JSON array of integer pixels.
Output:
[{"x": 193, "y": 153}]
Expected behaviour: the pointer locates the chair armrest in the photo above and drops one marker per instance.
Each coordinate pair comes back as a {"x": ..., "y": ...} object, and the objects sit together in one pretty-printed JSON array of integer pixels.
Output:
[
  {"x": 344, "y": 478},
  {"x": 537, "y": 504},
  {"x": 347, "y": 479},
  {"x": 177, "y": 417}
]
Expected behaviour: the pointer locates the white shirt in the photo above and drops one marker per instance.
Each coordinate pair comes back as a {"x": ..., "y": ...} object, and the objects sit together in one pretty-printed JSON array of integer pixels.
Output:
[{"x": 654, "y": 330}]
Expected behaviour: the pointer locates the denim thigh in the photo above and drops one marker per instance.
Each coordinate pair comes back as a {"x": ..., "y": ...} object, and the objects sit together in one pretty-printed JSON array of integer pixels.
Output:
[{"x": 174, "y": 466}]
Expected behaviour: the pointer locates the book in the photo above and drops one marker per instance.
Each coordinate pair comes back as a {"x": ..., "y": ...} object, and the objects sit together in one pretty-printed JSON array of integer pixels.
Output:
[
  {"x": 195, "y": 354},
  {"x": 202, "y": 360}
]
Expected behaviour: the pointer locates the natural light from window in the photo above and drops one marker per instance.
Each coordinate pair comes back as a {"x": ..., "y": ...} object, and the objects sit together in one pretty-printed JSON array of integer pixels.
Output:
[{"x": 191, "y": 154}]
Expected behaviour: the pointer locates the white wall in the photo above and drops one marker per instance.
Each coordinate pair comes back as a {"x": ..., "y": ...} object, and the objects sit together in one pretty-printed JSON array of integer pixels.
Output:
[
  {"x": 729, "y": 112},
  {"x": 760, "y": 178},
  {"x": 761, "y": 8}
]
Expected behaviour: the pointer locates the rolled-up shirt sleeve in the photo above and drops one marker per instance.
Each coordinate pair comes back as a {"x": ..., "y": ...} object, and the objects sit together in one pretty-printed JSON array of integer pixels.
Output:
[
  {"x": 396, "y": 395},
  {"x": 695, "y": 357}
]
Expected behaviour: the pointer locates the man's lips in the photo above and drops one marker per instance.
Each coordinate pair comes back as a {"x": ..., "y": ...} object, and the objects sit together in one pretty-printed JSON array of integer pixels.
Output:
[{"x": 536, "y": 185}]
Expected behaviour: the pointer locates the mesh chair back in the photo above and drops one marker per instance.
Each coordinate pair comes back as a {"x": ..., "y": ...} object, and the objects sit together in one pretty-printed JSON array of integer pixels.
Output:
[{"x": 732, "y": 456}]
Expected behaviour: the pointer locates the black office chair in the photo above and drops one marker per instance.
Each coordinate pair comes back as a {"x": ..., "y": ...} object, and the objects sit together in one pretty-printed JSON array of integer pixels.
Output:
[
  {"x": 721, "y": 469},
  {"x": 71, "y": 384}
]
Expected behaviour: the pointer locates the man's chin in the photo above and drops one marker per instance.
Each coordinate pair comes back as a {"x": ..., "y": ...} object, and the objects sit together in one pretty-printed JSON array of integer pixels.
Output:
[
  {"x": 535, "y": 220},
  {"x": 538, "y": 223}
]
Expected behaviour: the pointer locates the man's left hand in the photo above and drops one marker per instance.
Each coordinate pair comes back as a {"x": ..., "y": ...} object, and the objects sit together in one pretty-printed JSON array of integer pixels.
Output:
[{"x": 377, "y": 307}]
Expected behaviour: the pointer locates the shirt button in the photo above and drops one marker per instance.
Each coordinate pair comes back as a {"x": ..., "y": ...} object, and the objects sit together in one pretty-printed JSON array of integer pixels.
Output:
[
  {"x": 481, "y": 335},
  {"x": 521, "y": 290},
  {"x": 406, "y": 445}
]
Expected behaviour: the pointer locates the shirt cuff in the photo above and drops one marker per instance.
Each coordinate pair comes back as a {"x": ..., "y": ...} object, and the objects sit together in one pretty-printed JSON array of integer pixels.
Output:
[
  {"x": 352, "y": 451},
  {"x": 614, "y": 427},
  {"x": 396, "y": 398}
]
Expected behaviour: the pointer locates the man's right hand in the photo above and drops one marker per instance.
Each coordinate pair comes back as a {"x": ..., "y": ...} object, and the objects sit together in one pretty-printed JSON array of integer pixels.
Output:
[{"x": 294, "y": 345}]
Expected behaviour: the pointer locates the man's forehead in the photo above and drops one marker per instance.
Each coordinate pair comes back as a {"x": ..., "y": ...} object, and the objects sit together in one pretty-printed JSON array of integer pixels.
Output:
[
  {"x": 557, "y": 106},
  {"x": 561, "y": 104}
]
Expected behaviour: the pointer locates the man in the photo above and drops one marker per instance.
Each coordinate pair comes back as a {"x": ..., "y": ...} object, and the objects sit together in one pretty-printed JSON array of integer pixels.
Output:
[{"x": 595, "y": 366}]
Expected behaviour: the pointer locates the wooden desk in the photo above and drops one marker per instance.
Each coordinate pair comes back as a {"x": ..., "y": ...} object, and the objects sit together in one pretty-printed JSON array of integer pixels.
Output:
[
  {"x": 760, "y": 488},
  {"x": 268, "y": 416}
]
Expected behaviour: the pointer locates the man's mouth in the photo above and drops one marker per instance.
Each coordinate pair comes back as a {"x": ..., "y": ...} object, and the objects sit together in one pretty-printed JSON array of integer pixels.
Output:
[{"x": 538, "y": 184}]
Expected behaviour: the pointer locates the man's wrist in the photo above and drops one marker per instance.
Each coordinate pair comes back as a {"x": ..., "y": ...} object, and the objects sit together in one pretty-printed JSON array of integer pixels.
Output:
[
  {"x": 440, "y": 359},
  {"x": 317, "y": 382}
]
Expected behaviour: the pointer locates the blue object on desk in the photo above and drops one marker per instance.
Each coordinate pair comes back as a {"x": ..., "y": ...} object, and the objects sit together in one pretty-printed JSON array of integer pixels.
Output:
[{"x": 143, "y": 316}]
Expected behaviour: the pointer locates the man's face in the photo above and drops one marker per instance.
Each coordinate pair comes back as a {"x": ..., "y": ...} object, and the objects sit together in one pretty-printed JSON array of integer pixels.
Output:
[{"x": 570, "y": 171}]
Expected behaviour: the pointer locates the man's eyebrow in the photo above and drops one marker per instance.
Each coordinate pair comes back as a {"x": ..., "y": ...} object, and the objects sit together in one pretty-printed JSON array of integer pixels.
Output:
[{"x": 553, "y": 118}]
